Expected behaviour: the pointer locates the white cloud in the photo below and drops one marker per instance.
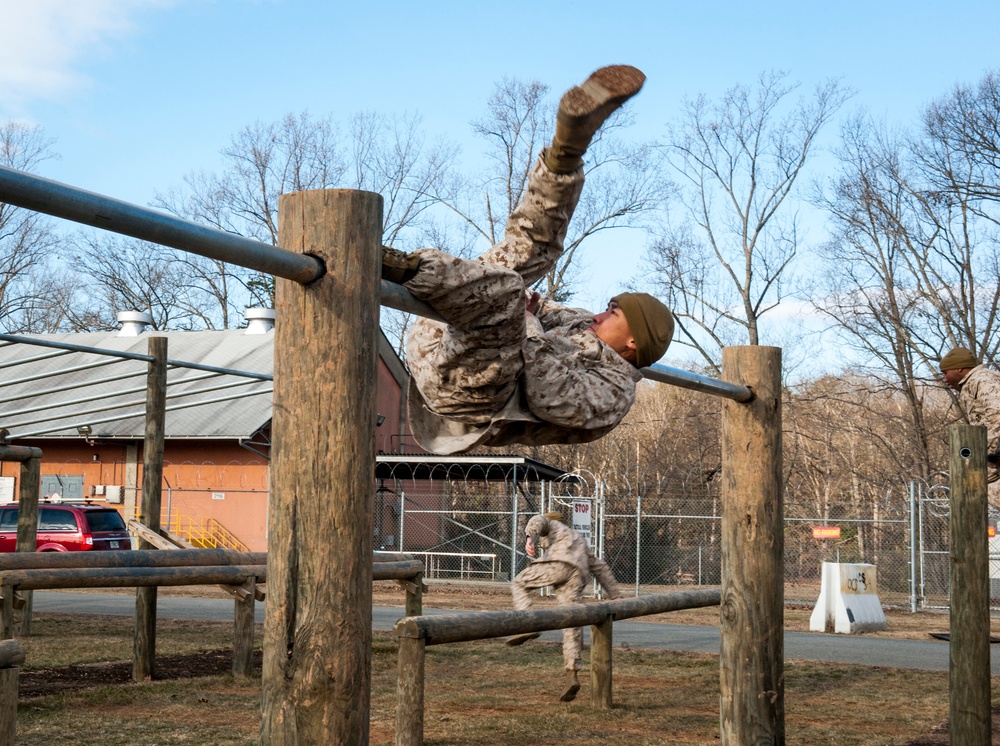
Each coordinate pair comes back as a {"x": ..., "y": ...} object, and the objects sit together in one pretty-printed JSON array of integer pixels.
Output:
[{"x": 43, "y": 43}]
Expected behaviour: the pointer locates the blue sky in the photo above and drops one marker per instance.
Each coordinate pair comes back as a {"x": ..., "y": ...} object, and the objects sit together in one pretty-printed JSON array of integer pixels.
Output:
[{"x": 138, "y": 93}]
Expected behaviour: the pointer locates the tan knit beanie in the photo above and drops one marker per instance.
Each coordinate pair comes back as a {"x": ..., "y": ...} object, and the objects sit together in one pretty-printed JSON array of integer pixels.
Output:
[
  {"x": 960, "y": 357},
  {"x": 651, "y": 324}
]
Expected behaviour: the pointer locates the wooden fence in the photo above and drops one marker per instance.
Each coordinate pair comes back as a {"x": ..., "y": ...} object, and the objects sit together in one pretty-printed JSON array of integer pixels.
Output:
[{"x": 416, "y": 633}]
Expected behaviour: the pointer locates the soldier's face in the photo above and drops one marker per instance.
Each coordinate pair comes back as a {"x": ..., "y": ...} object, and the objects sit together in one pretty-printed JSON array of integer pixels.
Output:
[
  {"x": 612, "y": 328},
  {"x": 954, "y": 377}
]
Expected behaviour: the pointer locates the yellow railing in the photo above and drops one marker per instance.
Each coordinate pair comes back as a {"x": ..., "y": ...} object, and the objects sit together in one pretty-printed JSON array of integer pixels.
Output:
[{"x": 203, "y": 533}]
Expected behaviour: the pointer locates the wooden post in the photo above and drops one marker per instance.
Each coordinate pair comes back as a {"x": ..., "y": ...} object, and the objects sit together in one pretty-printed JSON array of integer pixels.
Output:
[
  {"x": 752, "y": 707},
  {"x": 11, "y": 656},
  {"x": 243, "y": 630},
  {"x": 410, "y": 692},
  {"x": 27, "y": 528},
  {"x": 6, "y": 612},
  {"x": 317, "y": 631},
  {"x": 600, "y": 664},
  {"x": 969, "y": 660},
  {"x": 415, "y": 595},
  {"x": 144, "y": 642}
]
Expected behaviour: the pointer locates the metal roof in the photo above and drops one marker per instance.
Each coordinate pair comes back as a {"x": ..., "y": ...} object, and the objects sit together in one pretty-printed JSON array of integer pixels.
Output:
[{"x": 79, "y": 381}]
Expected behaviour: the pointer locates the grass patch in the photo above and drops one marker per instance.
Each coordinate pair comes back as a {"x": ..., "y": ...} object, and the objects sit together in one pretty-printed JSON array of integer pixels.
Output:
[{"x": 476, "y": 693}]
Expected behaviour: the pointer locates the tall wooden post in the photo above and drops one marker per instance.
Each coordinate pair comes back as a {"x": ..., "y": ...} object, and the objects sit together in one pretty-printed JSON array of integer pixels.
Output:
[
  {"x": 752, "y": 704},
  {"x": 317, "y": 630},
  {"x": 27, "y": 528},
  {"x": 969, "y": 659},
  {"x": 144, "y": 638}
]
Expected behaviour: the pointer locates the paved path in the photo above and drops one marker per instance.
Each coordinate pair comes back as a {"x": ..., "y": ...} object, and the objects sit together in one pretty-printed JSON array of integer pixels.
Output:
[{"x": 930, "y": 655}]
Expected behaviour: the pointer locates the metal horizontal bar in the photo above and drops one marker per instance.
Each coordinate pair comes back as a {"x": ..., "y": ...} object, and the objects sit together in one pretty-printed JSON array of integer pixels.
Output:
[
  {"x": 61, "y": 200},
  {"x": 131, "y": 356},
  {"x": 70, "y": 203},
  {"x": 124, "y": 416},
  {"x": 396, "y": 296},
  {"x": 695, "y": 382}
]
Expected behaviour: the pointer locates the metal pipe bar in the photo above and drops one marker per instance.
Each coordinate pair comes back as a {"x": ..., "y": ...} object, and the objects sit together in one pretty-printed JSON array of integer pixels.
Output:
[
  {"x": 33, "y": 359},
  {"x": 128, "y": 415},
  {"x": 64, "y": 201},
  {"x": 70, "y": 203},
  {"x": 72, "y": 369},
  {"x": 124, "y": 392},
  {"x": 396, "y": 296},
  {"x": 76, "y": 386},
  {"x": 131, "y": 356},
  {"x": 696, "y": 382}
]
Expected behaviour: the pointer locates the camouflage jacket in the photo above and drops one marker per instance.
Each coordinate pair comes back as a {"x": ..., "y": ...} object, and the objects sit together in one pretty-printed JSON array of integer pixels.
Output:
[
  {"x": 979, "y": 396},
  {"x": 564, "y": 544},
  {"x": 573, "y": 389}
]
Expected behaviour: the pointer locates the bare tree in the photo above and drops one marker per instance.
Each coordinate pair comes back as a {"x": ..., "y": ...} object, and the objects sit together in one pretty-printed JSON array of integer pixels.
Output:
[
  {"x": 623, "y": 187},
  {"x": 125, "y": 274},
  {"x": 727, "y": 261},
  {"x": 27, "y": 242},
  {"x": 913, "y": 263}
]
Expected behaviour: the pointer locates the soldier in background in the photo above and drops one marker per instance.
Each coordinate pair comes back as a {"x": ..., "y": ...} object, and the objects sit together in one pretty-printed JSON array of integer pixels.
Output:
[
  {"x": 508, "y": 366},
  {"x": 567, "y": 566},
  {"x": 979, "y": 396}
]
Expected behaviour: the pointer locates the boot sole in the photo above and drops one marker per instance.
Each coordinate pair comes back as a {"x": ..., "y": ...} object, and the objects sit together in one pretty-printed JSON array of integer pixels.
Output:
[
  {"x": 521, "y": 639},
  {"x": 604, "y": 91}
]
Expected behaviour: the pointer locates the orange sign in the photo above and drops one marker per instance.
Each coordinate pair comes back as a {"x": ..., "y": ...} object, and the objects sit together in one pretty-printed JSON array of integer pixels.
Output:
[
  {"x": 826, "y": 532},
  {"x": 991, "y": 531}
]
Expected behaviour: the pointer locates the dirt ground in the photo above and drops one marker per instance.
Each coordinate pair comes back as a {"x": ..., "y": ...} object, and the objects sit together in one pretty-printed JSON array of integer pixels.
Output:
[
  {"x": 48, "y": 681},
  {"x": 39, "y": 683}
]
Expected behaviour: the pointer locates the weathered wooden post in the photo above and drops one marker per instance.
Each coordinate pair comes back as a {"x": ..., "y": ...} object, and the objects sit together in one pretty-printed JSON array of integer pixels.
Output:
[
  {"x": 601, "y": 664},
  {"x": 752, "y": 705},
  {"x": 11, "y": 657},
  {"x": 243, "y": 628},
  {"x": 410, "y": 691},
  {"x": 144, "y": 638},
  {"x": 27, "y": 521},
  {"x": 414, "y": 595},
  {"x": 317, "y": 630},
  {"x": 969, "y": 652}
]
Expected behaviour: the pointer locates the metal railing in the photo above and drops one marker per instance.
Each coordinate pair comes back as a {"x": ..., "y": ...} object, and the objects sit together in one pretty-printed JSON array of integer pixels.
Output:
[{"x": 72, "y": 203}]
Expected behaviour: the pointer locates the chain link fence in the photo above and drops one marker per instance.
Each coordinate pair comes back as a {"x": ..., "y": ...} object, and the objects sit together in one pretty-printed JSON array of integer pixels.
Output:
[{"x": 665, "y": 543}]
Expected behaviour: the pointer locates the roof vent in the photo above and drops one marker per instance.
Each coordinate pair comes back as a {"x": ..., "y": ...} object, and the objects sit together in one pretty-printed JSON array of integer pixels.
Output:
[
  {"x": 259, "y": 320},
  {"x": 133, "y": 323}
]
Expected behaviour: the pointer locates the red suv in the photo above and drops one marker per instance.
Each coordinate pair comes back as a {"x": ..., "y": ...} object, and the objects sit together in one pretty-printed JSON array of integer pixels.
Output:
[{"x": 68, "y": 528}]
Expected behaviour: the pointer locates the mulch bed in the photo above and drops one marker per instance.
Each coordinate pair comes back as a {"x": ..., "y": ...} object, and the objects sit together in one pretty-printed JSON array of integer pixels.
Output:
[{"x": 39, "y": 683}]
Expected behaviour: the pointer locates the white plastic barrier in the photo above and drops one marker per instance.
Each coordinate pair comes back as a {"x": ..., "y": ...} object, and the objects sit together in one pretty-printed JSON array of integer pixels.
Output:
[{"x": 848, "y": 600}]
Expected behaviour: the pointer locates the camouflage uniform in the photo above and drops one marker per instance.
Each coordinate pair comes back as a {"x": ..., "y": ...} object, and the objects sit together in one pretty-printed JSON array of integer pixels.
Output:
[
  {"x": 494, "y": 375},
  {"x": 979, "y": 396},
  {"x": 567, "y": 566}
]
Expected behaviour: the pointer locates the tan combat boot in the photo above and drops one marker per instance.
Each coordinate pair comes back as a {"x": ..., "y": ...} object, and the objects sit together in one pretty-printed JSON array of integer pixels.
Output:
[
  {"x": 398, "y": 266},
  {"x": 582, "y": 111},
  {"x": 572, "y": 687}
]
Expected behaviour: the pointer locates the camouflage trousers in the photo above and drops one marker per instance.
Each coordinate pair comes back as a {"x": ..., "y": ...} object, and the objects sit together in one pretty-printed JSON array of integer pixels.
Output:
[
  {"x": 467, "y": 369},
  {"x": 569, "y": 582}
]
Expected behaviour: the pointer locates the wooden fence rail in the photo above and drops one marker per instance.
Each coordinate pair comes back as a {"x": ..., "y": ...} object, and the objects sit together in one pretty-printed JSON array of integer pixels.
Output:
[
  {"x": 129, "y": 558},
  {"x": 416, "y": 633}
]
